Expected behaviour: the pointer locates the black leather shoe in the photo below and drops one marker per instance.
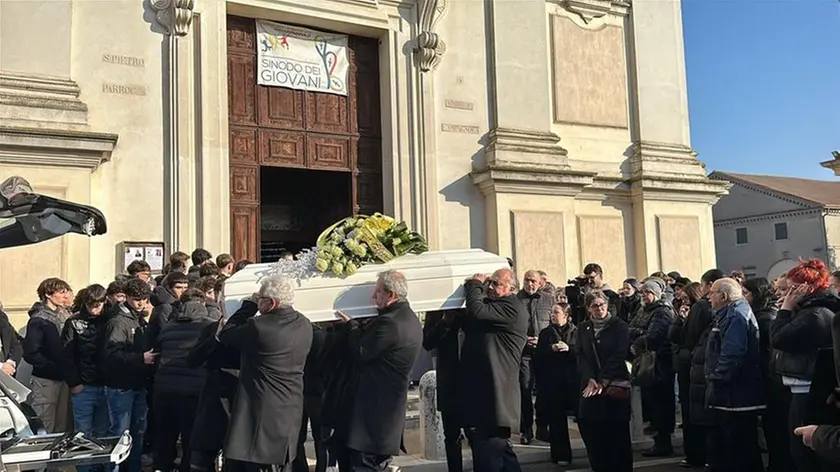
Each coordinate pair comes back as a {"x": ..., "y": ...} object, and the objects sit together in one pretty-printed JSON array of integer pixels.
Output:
[
  {"x": 658, "y": 452},
  {"x": 542, "y": 434}
]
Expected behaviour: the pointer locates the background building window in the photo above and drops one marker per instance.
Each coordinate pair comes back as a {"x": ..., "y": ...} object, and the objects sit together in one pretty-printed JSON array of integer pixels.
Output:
[
  {"x": 781, "y": 231},
  {"x": 741, "y": 236}
]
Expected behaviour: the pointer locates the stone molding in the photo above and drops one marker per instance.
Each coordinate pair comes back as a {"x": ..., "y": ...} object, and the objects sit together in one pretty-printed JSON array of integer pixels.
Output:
[
  {"x": 429, "y": 45},
  {"x": 174, "y": 15},
  {"x": 531, "y": 179},
  {"x": 32, "y": 98},
  {"x": 51, "y": 148},
  {"x": 589, "y": 10},
  {"x": 544, "y": 146}
]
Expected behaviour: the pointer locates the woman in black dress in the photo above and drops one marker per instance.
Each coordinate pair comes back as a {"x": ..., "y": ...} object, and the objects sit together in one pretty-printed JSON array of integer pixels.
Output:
[
  {"x": 558, "y": 380},
  {"x": 602, "y": 346}
]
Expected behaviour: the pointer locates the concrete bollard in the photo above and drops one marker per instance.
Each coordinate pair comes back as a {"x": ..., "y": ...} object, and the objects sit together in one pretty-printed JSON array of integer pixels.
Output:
[
  {"x": 431, "y": 424},
  {"x": 637, "y": 424}
]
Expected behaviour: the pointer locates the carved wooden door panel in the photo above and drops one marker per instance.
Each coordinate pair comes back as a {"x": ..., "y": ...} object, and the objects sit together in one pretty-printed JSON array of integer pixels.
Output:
[
  {"x": 243, "y": 130},
  {"x": 280, "y": 127}
]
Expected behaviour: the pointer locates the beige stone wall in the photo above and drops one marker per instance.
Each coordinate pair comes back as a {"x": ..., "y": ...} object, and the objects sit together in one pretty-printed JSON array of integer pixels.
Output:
[
  {"x": 67, "y": 257},
  {"x": 546, "y": 73}
]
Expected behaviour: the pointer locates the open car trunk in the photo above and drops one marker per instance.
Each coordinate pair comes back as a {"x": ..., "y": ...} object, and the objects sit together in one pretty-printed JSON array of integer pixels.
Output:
[{"x": 28, "y": 218}]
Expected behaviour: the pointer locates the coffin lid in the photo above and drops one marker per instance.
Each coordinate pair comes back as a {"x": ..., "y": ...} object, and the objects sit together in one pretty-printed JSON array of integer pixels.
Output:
[{"x": 435, "y": 282}]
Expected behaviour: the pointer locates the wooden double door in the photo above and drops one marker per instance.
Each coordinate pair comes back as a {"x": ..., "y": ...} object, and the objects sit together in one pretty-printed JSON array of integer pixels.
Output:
[{"x": 280, "y": 127}]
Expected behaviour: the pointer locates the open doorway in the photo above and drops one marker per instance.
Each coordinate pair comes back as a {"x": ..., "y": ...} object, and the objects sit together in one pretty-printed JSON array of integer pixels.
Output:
[{"x": 296, "y": 205}]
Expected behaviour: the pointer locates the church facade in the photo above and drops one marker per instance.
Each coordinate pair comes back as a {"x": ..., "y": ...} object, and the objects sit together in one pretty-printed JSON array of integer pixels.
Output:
[{"x": 555, "y": 132}]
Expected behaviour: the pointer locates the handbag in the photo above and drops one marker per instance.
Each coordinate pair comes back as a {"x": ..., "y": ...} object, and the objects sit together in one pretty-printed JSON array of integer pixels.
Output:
[
  {"x": 615, "y": 389},
  {"x": 643, "y": 372}
]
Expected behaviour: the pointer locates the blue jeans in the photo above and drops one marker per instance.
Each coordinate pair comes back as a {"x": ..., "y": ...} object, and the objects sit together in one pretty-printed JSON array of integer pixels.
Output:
[
  {"x": 90, "y": 415},
  {"x": 127, "y": 409}
]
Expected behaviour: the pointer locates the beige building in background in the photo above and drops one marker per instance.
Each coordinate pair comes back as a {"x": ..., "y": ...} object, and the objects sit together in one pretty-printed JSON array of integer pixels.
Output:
[{"x": 554, "y": 132}]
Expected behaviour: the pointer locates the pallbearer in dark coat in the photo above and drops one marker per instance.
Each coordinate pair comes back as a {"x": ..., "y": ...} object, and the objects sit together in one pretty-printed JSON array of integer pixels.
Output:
[
  {"x": 558, "y": 381},
  {"x": 267, "y": 412},
  {"x": 442, "y": 335},
  {"x": 216, "y": 401},
  {"x": 384, "y": 352},
  {"x": 495, "y": 325}
]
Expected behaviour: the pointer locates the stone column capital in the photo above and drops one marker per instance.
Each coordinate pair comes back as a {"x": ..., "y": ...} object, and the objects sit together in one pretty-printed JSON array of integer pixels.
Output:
[{"x": 174, "y": 15}]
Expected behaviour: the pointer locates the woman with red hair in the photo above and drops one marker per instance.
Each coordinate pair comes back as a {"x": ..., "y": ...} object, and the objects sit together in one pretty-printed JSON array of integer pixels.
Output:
[{"x": 802, "y": 327}]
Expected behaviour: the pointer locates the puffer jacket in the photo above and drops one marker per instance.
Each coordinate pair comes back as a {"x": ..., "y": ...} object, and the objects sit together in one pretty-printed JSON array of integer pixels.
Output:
[
  {"x": 766, "y": 316},
  {"x": 124, "y": 341},
  {"x": 796, "y": 336},
  {"x": 174, "y": 374},
  {"x": 82, "y": 340}
]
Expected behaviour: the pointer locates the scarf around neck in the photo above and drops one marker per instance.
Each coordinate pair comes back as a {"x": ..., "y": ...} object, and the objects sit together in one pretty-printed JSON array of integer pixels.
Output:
[{"x": 599, "y": 324}]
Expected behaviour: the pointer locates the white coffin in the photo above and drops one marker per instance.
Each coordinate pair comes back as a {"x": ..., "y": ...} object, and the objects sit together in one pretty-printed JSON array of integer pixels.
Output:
[{"x": 435, "y": 282}]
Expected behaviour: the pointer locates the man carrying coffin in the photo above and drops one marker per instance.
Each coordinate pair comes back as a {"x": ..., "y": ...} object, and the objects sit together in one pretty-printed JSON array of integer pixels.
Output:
[
  {"x": 268, "y": 408},
  {"x": 495, "y": 325},
  {"x": 383, "y": 354}
]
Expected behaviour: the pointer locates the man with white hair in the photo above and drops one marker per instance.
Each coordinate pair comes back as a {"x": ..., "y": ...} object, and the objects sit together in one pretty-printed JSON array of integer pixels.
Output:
[
  {"x": 538, "y": 305},
  {"x": 733, "y": 378},
  {"x": 268, "y": 409},
  {"x": 383, "y": 352}
]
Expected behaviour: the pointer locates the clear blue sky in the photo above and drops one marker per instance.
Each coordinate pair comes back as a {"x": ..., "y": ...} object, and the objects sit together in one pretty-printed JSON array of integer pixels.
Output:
[{"x": 764, "y": 84}]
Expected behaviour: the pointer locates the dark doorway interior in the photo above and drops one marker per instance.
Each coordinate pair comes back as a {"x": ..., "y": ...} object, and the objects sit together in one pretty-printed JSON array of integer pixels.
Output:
[{"x": 297, "y": 204}]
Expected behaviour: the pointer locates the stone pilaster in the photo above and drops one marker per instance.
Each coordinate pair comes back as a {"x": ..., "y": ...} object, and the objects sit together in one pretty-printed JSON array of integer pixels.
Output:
[
  {"x": 175, "y": 16},
  {"x": 517, "y": 33}
]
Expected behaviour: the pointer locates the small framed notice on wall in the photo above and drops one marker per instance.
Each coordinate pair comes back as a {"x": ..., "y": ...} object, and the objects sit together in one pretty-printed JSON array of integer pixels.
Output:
[{"x": 154, "y": 253}]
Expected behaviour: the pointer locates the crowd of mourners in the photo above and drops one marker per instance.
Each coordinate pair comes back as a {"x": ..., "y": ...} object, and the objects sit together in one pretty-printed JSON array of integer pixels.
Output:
[{"x": 751, "y": 366}]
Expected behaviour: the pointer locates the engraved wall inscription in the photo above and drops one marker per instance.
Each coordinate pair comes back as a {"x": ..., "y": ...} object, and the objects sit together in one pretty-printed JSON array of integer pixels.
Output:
[
  {"x": 458, "y": 105},
  {"x": 124, "y": 60},
  {"x": 590, "y": 74},
  {"x": 465, "y": 129},
  {"x": 125, "y": 89}
]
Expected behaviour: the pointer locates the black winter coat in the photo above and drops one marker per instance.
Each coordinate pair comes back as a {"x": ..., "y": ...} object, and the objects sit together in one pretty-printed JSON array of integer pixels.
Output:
[
  {"x": 443, "y": 338},
  {"x": 557, "y": 375},
  {"x": 495, "y": 331},
  {"x": 607, "y": 349},
  {"x": 216, "y": 400},
  {"x": 629, "y": 306},
  {"x": 654, "y": 337},
  {"x": 273, "y": 348},
  {"x": 174, "y": 374},
  {"x": 123, "y": 343},
  {"x": 797, "y": 336},
  {"x": 42, "y": 346},
  {"x": 161, "y": 314},
  {"x": 699, "y": 414},
  {"x": 765, "y": 316},
  {"x": 82, "y": 340},
  {"x": 161, "y": 295},
  {"x": 11, "y": 347},
  {"x": 384, "y": 353}
]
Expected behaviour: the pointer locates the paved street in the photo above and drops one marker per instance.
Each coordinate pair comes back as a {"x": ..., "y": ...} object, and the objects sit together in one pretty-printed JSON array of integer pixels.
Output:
[{"x": 667, "y": 464}]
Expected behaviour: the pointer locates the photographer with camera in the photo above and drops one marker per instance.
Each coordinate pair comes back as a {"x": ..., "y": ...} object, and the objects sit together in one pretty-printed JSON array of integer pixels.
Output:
[{"x": 591, "y": 279}]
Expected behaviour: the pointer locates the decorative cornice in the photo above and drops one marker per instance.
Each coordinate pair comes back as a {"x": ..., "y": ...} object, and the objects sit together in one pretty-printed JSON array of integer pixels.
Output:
[
  {"x": 589, "y": 10},
  {"x": 531, "y": 179},
  {"x": 174, "y": 15},
  {"x": 782, "y": 215},
  {"x": 429, "y": 46},
  {"x": 54, "y": 148},
  {"x": 677, "y": 189}
]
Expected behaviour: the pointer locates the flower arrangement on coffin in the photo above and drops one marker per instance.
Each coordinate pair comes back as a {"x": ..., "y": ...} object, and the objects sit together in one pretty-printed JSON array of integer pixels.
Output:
[
  {"x": 351, "y": 243},
  {"x": 358, "y": 240}
]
